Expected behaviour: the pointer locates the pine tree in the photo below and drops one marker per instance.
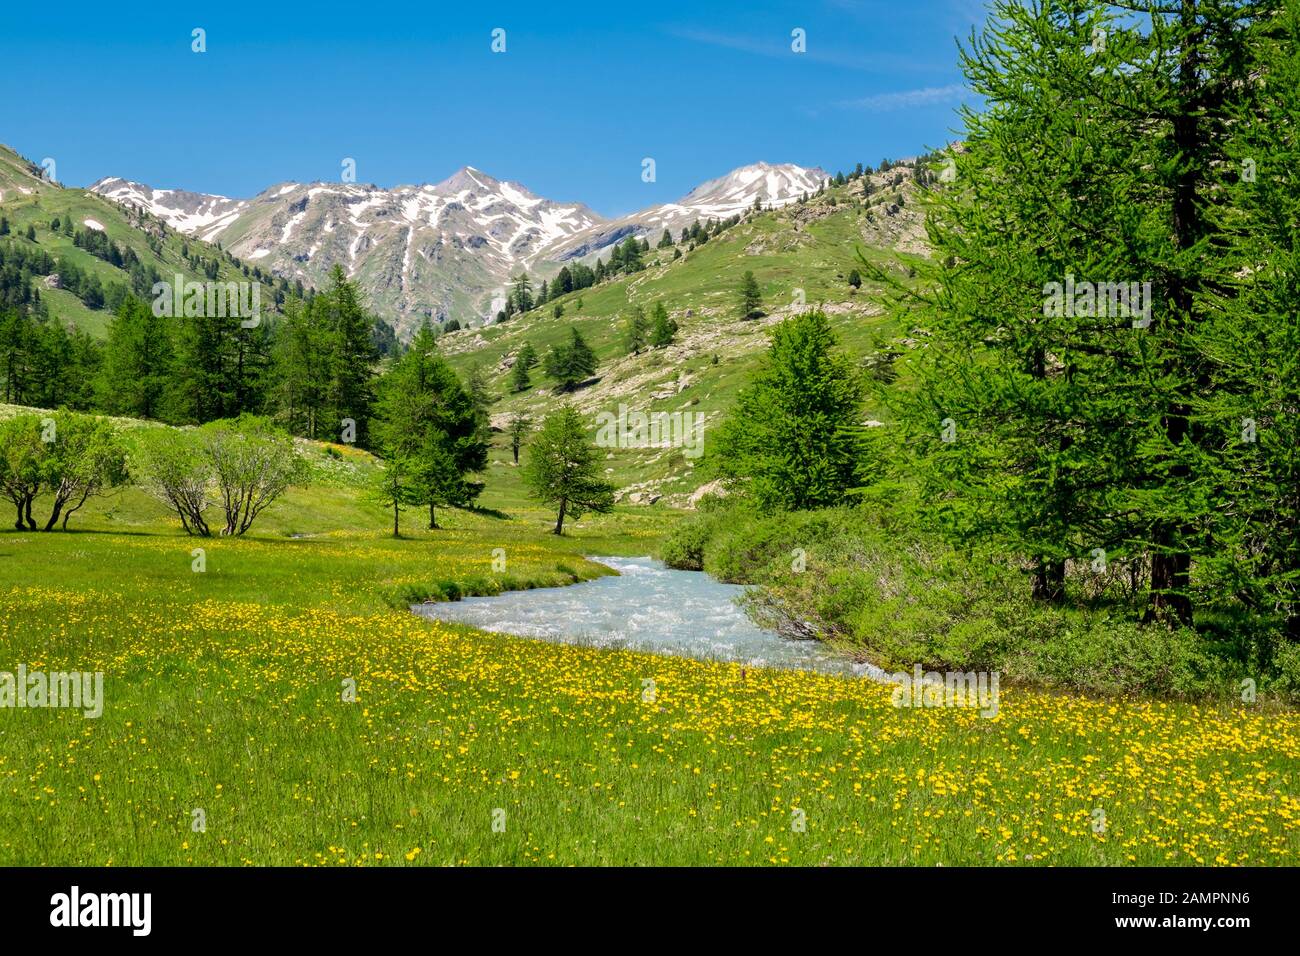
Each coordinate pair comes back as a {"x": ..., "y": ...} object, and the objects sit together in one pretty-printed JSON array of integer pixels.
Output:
[
  {"x": 751, "y": 300},
  {"x": 563, "y": 469},
  {"x": 790, "y": 440},
  {"x": 351, "y": 354},
  {"x": 518, "y": 427},
  {"x": 635, "y": 331},
  {"x": 571, "y": 362},
  {"x": 391, "y": 488},
  {"x": 138, "y": 363},
  {"x": 563, "y": 283},
  {"x": 432, "y": 428},
  {"x": 1247, "y": 467},
  {"x": 519, "y": 380},
  {"x": 300, "y": 372},
  {"x": 1050, "y": 422},
  {"x": 522, "y": 295},
  {"x": 663, "y": 330}
]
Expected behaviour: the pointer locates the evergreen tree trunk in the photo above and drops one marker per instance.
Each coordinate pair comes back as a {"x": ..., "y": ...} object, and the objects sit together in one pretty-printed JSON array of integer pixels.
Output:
[
  {"x": 397, "y": 530},
  {"x": 1171, "y": 563},
  {"x": 559, "y": 521},
  {"x": 433, "y": 522},
  {"x": 1049, "y": 581}
]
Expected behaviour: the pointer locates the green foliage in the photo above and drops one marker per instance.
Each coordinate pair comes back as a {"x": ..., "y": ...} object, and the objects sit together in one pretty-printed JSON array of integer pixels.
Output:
[
  {"x": 244, "y": 464},
  {"x": 22, "y": 455},
  {"x": 519, "y": 380},
  {"x": 875, "y": 585},
  {"x": 252, "y": 464},
  {"x": 80, "y": 456},
  {"x": 636, "y": 331},
  {"x": 518, "y": 428},
  {"x": 139, "y": 360},
  {"x": 1052, "y": 420},
  {"x": 521, "y": 293},
  {"x": 790, "y": 441},
  {"x": 170, "y": 465},
  {"x": 432, "y": 429},
  {"x": 570, "y": 363},
  {"x": 663, "y": 330},
  {"x": 751, "y": 300},
  {"x": 563, "y": 469},
  {"x": 684, "y": 547},
  {"x": 392, "y": 487}
]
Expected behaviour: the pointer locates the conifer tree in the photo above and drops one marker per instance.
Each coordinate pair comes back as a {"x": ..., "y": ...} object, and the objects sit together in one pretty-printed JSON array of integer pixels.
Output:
[
  {"x": 518, "y": 427},
  {"x": 138, "y": 363},
  {"x": 751, "y": 300},
  {"x": 572, "y": 362},
  {"x": 1056, "y": 410},
  {"x": 790, "y": 440},
  {"x": 663, "y": 329},
  {"x": 519, "y": 380},
  {"x": 431, "y": 428},
  {"x": 563, "y": 469},
  {"x": 635, "y": 331}
]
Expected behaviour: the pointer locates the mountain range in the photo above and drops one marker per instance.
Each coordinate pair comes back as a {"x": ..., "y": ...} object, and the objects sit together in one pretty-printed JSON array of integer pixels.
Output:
[{"x": 440, "y": 251}]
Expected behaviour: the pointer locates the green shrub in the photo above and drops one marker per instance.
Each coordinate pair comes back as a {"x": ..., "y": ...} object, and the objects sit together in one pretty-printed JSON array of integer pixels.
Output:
[
  {"x": 867, "y": 583},
  {"x": 683, "y": 549}
]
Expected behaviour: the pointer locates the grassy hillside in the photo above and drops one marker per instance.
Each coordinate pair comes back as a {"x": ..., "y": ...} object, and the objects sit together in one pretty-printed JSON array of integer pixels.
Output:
[
  {"x": 810, "y": 247},
  {"x": 28, "y": 200}
]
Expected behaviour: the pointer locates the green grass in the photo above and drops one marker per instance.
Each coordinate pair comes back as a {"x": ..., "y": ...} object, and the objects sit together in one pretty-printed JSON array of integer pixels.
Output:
[
  {"x": 224, "y": 689},
  {"x": 224, "y": 693}
]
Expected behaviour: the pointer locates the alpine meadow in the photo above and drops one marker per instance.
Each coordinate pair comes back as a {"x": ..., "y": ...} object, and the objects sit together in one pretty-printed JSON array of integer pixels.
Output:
[{"x": 930, "y": 511}]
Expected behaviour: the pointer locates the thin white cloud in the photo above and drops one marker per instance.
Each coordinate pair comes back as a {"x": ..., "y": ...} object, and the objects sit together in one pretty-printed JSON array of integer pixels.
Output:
[
  {"x": 907, "y": 99},
  {"x": 779, "y": 46}
]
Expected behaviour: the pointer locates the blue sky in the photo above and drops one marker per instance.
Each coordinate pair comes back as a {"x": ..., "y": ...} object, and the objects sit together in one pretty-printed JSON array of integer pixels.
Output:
[{"x": 412, "y": 92}]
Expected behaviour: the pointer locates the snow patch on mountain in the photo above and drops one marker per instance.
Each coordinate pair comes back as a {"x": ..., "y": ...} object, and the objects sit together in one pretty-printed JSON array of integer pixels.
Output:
[{"x": 472, "y": 232}]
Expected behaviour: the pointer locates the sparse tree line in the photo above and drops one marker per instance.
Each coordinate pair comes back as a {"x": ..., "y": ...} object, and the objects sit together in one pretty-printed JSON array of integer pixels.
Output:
[
  {"x": 568, "y": 364},
  {"x": 626, "y": 258},
  {"x": 432, "y": 431},
  {"x": 571, "y": 363}
]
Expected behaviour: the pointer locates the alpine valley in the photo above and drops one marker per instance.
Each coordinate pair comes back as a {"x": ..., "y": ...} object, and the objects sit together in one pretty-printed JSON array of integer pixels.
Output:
[
  {"x": 441, "y": 251},
  {"x": 451, "y": 254}
]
